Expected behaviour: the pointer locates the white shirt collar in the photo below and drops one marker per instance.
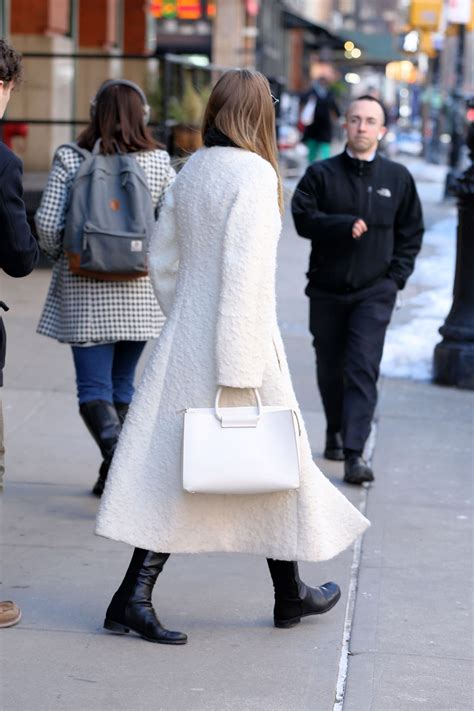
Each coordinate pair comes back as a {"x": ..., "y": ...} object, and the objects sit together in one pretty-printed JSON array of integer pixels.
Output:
[{"x": 368, "y": 160}]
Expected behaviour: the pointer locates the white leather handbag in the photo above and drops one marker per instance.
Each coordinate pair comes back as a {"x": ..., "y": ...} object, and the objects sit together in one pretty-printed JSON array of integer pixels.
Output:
[{"x": 240, "y": 450}]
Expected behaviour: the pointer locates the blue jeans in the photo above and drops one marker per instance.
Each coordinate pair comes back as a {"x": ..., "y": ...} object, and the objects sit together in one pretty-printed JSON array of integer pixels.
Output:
[{"x": 106, "y": 372}]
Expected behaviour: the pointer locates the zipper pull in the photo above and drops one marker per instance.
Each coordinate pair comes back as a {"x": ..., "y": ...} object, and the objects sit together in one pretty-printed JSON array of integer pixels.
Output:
[{"x": 369, "y": 192}]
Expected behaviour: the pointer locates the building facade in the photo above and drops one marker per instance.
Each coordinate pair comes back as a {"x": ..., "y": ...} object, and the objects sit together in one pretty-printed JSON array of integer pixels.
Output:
[
  {"x": 59, "y": 86},
  {"x": 71, "y": 46}
]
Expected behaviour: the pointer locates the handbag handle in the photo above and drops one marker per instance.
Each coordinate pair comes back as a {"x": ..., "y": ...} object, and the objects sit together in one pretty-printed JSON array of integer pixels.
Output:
[{"x": 218, "y": 411}]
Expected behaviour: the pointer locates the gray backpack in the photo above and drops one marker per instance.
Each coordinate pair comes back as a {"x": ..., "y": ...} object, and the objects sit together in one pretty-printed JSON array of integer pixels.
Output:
[{"x": 109, "y": 218}]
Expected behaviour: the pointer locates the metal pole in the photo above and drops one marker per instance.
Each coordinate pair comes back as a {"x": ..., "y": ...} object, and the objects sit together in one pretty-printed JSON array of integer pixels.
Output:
[
  {"x": 454, "y": 356},
  {"x": 74, "y": 29},
  {"x": 165, "y": 94},
  {"x": 457, "y": 106},
  {"x": 458, "y": 103},
  {"x": 433, "y": 153}
]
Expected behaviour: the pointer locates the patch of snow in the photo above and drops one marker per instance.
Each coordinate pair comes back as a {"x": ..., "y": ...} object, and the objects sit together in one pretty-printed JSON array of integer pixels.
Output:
[{"x": 409, "y": 347}]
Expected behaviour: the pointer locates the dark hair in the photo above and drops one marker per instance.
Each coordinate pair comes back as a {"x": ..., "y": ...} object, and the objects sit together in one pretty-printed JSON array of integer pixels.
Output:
[
  {"x": 10, "y": 64},
  {"x": 369, "y": 97},
  {"x": 118, "y": 120}
]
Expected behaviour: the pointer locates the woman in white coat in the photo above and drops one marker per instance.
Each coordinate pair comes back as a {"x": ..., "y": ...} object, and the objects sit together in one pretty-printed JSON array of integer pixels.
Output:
[{"x": 212, "y": 263}]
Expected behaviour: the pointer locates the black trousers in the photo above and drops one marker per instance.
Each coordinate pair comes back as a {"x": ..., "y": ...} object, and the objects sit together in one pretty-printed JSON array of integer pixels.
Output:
[{"x": 348, "y": 336}]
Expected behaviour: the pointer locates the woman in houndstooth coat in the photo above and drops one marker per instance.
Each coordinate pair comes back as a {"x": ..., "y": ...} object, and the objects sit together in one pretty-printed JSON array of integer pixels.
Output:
[
  {"x": 107, "y": 323},
  {"x": 213, "y": 263}
]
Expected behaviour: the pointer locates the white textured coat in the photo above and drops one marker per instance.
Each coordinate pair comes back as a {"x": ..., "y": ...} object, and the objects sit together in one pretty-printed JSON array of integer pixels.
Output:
[{"x": 213, "y": 263}]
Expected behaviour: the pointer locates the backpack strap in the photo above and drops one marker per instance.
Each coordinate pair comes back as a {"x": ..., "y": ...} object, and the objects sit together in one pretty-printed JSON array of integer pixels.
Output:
[
  {"x": 96, "y": 149},
  {"x": 83, "y": 152}
]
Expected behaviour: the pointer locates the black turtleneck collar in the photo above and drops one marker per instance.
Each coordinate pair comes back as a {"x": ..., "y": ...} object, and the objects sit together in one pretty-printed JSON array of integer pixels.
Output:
[
  {"x": 360, "y": 167},
  {"x": 214, "y": 137}
]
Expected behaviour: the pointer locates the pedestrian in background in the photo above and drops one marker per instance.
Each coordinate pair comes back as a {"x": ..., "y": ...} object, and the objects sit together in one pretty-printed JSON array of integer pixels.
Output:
[
  {"x": 318, "y": 113},
  {"x": 18, "y": 248},
  {"x": 363, "y": 217},
  {"x": 107, "y": 323},
  {"x": 213, "y": 262}
]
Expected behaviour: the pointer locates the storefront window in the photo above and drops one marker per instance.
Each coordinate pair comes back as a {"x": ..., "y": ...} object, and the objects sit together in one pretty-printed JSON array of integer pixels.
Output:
[
  {"x": 4, "y": 18},
  {"x": 183, "y": 9}
]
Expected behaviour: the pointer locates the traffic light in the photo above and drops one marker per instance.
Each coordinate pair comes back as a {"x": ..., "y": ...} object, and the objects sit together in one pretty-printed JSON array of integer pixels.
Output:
[{"x": 425, "y": 14}]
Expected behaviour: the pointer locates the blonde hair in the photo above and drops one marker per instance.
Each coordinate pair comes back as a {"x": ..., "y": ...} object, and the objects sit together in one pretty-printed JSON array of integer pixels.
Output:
[{"x": 241, "y": 107}]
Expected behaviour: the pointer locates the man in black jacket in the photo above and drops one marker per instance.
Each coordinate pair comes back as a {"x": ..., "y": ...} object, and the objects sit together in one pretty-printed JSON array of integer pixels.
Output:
[
  {"x": 18, "y": 248},
  {"x": 363, "y": 217}
]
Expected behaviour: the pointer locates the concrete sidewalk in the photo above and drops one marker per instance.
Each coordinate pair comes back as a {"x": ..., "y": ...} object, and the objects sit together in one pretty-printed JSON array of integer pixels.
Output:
[{"x": 410, "y": 642}]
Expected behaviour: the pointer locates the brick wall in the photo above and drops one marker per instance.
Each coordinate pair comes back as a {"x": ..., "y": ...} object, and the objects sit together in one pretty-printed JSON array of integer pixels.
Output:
[
  {"x": 134, "y": 27},
  {"x": 98, "y": 23},
  {"x": 40, "y": 17}
]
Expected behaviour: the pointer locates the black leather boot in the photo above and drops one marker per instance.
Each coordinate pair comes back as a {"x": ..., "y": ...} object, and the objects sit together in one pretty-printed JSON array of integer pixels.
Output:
[
  {"x": 334, "y": 448},
  {"x": 131, "y": 607},
  {"x": 294, "y": 599},
  {"x": 356, "y": 470},
  {"x": 122, "y": 409},
  {"x": 104, "y": 424}
]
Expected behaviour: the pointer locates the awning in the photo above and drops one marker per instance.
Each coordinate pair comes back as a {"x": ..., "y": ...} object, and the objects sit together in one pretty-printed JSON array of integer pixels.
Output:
[
  {"x": 321, "y": 36},
  {"x": 182, "y": 44},
  {"x": 379, "y": 48}
]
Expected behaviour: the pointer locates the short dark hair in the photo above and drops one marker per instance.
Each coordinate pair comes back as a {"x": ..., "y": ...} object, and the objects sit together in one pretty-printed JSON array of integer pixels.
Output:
[
  {"x": 118, "y": 120},
  {"x": 369, "y": 97},
  {"x": 11, "y": 68}
]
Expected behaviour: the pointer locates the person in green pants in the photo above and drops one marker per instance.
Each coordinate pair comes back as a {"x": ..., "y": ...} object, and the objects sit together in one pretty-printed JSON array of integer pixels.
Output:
[
  {"x": 318, "y": 150},
  {"x": 318, "y": 133}
]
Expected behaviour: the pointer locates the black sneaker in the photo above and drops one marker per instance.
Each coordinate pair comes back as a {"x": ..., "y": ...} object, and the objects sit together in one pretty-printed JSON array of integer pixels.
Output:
[{"x": 357, "y": 471}]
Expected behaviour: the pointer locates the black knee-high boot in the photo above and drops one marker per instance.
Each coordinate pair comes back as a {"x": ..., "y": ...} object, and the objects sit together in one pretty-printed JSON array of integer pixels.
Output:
[
  {"x": 104, "y": 424},
  {"x": 294, "y": 599},
  {"x": 131, "y": 607}
]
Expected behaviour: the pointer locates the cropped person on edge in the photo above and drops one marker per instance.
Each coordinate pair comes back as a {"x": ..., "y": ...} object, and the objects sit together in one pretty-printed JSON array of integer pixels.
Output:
[
  {"x": 18, "y": 249},
  {"x": 212, "y": 263},
  {"x": 363, "y": 216},
  {"x": 106, "y": 323}
]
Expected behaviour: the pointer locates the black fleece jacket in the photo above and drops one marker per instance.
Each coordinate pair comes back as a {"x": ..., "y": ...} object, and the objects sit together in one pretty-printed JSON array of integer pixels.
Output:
[
  {"x": 18, "y": 248},
  {"x": 331, "y": 196}
]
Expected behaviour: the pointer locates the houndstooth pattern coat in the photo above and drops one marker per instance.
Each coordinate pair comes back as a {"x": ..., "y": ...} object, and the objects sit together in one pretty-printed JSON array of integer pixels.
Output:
[{"x": 80, "y": 310}]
